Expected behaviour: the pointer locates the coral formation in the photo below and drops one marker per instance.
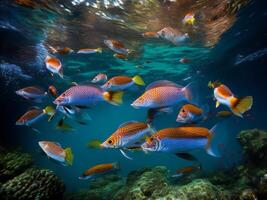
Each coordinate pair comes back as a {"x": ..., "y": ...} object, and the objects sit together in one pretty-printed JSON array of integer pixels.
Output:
[
  {"x": 19, "y": 181},
  {"x": 13, "y": 163},
  {"x": 101, "y": 188},
  {"x": 34, "y": 184}
]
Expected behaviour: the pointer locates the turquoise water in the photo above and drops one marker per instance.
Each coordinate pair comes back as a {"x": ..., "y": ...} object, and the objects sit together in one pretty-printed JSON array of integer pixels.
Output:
[{"x": 215, "y": 54}]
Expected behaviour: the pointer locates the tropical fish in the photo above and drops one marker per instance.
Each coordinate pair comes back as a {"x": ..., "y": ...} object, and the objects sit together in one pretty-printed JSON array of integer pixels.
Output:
[
  {"x": 190, "y": 114},
  {"x": 54, "y": 66},
  {"x": 118, "y": 83},
  {"x": 61, "y": 51},
  {"x": 87, "y": 95},
  {"x": 75, "y": 113},
  {"x": 120, "y": 56},
  {"x": 173, "y": 35},
  {"x": 116, "y": 46},
  {"x": 100, "y": 78},
  {"x": 99, "y": 170},
  {"x": 32, "y": 93},
  {"x": 162, "y": 94},
  {"x": 127, "y": 135},
  {"x": 186, "y": 170},
  {"x": 64, "y": 127},
  {"x": 53, "y": 91},
  {"x": 183, "y": 140},
  {"x": 150, "y": 34},
  {"x": 184, "y": 60},
  {"x": 189, "y": 19},
  {"x": 34, "y": 115},
  {"x": 90, "y": 51},
  {"x": 224, "y": 95},
  {"x": 55, "y": 151}
]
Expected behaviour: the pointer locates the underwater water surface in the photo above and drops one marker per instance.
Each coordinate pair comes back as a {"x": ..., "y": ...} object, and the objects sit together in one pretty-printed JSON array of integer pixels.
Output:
[{"x": 226, "y": 42}]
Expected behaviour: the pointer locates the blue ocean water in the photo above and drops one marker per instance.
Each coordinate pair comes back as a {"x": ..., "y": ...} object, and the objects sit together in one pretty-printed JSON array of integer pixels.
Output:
[{"x": 234, "y": 53}]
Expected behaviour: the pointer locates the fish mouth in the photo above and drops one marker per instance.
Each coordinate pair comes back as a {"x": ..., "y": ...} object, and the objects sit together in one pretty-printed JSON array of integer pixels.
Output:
[
  {"x": 135, "y": 106},
  {"x": 180, "y": 119}
]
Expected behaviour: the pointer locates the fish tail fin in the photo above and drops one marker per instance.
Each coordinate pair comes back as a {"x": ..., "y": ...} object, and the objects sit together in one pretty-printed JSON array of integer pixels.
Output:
[
  {"x": 113, "y": 97},
  {"x": 242, "y": 105},
  {"x": 99, "y": 50},
  {"x": 116, "y": 165},
  {"x": 190, "y": 92},
  {"x": 212, "y": 148},
  {"x": 69, "y": 156},
  {"x": 94, "y": 144},
  {"x": 138, "y": 80}
]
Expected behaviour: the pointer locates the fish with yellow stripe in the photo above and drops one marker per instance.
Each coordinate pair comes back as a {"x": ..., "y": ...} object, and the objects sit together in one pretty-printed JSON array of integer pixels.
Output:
[
  {"x": 99, "y": 170},
  {"x": 225, "y": 96},
  {"x": 55, "y": 151},
  {"x": 127, "y": 135},
  {"x": 118, "y": 83},
  {"x": 183, "y": 140}
]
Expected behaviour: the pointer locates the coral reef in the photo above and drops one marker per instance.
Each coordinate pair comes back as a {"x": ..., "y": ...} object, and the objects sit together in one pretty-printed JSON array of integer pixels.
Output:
[
  {"x": 101, "y": 188},
  {"x": 20, "y": 181},
  {"x": 13, "y": 163},
  {"x": 34, "y": 184}
]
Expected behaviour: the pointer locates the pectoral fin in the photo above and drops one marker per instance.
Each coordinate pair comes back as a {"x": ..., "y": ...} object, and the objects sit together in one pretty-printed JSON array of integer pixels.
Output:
[
  {"x": 217, "y": 104},
  {"x": 125, "y": 155}
]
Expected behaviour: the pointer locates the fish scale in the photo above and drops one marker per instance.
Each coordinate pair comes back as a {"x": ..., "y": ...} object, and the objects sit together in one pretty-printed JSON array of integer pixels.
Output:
[
  {"x": 183, "y": 132},
  {"x": 131, "y": 129}
]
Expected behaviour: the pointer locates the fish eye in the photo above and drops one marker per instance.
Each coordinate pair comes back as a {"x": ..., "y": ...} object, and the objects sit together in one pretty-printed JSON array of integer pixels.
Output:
[
  {"x": 110, "y": 141},
  {"x": 63, "y": 94},
  {"x": 183, "y": 110}
]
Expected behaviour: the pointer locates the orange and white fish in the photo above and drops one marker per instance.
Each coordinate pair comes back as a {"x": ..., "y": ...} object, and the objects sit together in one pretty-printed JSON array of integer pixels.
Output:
[
  {"x": 116, "y": 46},
  {"x": 150, "y": 34},
  {"x": 99, "y": 170},
  {"x": 173, "y": 35},
  {"x": 183, "y": 140},
  {"x": 186, "y": 170},
  {"x": 118, "y": 83},
  {"x": 190, "y": 114},
  {"x": 163, "y": 93},
  {"x": 54, "y": 65},
  {"x": 127, "y": 135},
  {"x": 56, "y": 152},
  {"x": 87, "y": 95},
  {"x": 32, "y": 93},
  {"x": 224, "y": 95},
  {"x": 189, "y": 19},
  {"x": 120, "y": 56},
  {"x": 90, "y": 51},
  {"x": 100, "y": 78}
]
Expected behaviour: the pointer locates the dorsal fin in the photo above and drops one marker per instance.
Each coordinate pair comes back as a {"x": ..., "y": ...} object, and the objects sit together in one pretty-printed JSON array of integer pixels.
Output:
[
  {"x": 161, "y": 83},
  {"x": 126, "y": 123}
]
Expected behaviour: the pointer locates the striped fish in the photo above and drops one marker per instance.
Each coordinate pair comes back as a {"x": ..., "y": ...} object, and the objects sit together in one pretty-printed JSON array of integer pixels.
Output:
[
  {"x": 127, "y": 135},
  {"x": 182, "y": 139}
]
